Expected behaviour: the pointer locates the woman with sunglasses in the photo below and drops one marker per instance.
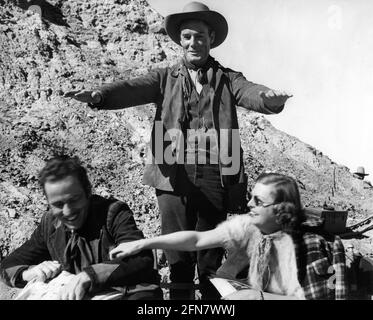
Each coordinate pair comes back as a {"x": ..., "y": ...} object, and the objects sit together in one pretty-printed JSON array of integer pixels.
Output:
[{"x": 273, "y": 248}]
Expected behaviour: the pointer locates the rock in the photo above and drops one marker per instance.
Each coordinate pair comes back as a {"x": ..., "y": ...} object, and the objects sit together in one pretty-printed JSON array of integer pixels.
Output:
[
  {"x": 3, "y": 233},
  {"x": 12, "y": 191},
  {"x": 8, "y": 293},
  {"x": 102, "y": 191},
  {"x": 93, "y": 44},
  {"x": 157, "y": 28},
  {"x": 12, "y": 213}
]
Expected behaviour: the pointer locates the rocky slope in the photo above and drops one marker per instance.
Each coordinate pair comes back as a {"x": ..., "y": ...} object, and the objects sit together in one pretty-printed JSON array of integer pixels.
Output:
[{"x": 81, "y": 44}]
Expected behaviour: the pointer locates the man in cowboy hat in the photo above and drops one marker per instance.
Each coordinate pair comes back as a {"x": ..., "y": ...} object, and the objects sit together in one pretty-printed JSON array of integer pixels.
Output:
[
  {"x": 200, "y": 175},
  {"x": 360, "y": 173}
]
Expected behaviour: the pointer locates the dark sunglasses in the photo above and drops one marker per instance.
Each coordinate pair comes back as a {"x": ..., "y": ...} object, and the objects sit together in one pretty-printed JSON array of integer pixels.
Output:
[{"x": 259, "y": 203}]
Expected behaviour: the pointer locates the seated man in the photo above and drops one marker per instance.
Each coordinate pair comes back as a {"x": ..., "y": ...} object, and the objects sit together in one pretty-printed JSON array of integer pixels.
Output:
[{"x": 76, "y": 235}]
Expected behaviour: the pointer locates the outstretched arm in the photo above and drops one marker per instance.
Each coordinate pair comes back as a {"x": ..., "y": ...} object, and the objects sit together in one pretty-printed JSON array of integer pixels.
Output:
[
  {"x": 182, "y": 240},
  {"x": 274, "y": 99},
  {"x": 122, "y": 94},
  {"x": 257, "y": 97}
]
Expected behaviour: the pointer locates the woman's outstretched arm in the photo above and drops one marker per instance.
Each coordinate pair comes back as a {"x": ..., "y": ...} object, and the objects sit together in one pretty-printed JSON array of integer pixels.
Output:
[{"x": 180, "y": 241}]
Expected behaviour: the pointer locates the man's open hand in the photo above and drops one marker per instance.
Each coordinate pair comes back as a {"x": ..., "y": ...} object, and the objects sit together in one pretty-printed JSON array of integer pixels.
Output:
[
  {"x": 273, "y": 98},
  {"x": 86, "y": 96},
  {"x": 43, "y": 271},
  {"x": 76, "y": 288}
]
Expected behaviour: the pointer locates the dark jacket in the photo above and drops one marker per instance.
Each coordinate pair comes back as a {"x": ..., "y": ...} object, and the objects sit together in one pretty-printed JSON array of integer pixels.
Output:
[
  {"x": 109, "y": 223},
  {"x": 167, "y": 88}
]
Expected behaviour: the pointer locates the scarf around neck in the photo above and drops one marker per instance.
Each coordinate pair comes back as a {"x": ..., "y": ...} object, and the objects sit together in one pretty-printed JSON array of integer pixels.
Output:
[
  {"x": 202, "y": 71},
  {"x": 263, "y": 252},
  {"x": 78, "y": 253}
]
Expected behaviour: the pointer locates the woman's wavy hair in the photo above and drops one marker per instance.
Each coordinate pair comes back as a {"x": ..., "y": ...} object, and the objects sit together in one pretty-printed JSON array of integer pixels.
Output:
[
  {"x": 62, "y": 166},
  {"x": 288, "y": 206}
]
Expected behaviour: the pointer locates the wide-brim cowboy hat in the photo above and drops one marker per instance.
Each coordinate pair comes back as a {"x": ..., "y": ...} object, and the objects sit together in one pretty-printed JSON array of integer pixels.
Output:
[
  {"x": 197, "y": 11},
  {"x": 361, "y": 171}
]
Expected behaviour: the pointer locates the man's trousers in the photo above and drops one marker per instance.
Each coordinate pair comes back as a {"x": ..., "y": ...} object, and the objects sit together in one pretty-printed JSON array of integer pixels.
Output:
[{"x": 198, "y": 203}]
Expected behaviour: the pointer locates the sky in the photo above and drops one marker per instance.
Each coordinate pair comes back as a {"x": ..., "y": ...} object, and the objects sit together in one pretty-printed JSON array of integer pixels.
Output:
[{"x": 321, "y": 52}]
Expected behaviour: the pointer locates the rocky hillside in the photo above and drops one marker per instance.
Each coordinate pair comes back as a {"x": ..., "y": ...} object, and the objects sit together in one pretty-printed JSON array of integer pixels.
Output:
[{"x": 81, "y": 44}]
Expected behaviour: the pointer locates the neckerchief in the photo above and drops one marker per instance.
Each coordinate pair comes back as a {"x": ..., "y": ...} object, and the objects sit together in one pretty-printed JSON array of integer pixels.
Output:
[
  {"x": 78, "y": 254},
  {"x": 202, "y": 72},
  {"x": 264, "y": 251}
]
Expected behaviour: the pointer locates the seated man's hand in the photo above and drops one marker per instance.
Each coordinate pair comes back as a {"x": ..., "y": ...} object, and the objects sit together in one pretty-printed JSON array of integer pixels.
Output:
[
  {"x": 42, "y": 272},
  {"x": 76, "y": 288},
  {"x": 245, "y": 294},
  {"x": 86, "y": 96},
  {"x": 273, "y": 98},
  {"x": 126, "y": 249}
]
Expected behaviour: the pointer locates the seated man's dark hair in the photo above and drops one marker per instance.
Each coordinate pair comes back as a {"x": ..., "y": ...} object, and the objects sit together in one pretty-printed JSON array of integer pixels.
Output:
[{"x": 62, "y": 166}]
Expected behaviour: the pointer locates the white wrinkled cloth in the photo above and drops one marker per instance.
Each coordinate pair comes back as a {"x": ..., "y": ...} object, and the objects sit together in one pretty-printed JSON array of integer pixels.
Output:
[{"x": 37, "y": 290}]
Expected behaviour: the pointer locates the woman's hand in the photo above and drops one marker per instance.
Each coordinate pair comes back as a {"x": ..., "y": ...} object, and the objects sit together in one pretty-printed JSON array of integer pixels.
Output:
[
  {"x": 245, "y": 294},
  {"x": 126, "y": 249}
]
